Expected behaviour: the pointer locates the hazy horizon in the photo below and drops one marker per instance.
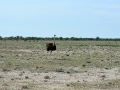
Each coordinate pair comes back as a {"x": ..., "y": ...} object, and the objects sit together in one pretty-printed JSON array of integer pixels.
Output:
[{"x": 65, "y": 18}]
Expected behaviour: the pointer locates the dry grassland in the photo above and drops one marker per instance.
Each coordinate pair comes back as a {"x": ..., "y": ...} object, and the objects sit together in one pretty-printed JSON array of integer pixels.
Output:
[{"x": 75, "y": 65}]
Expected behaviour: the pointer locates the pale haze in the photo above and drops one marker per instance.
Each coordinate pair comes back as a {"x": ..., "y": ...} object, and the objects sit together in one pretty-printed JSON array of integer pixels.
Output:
[{"x": 65, "y": 18}]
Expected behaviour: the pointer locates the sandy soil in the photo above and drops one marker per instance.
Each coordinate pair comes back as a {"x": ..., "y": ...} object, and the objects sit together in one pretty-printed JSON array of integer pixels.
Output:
[{"x": 20, "y": 80}]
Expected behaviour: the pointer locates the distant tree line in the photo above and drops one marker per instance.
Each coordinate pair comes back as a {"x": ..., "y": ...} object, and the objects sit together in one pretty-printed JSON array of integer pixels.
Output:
[{"x": 58, "y": 38}]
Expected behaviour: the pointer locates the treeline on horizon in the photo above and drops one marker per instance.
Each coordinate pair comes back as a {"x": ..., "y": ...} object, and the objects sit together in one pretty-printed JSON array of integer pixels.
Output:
[{"x": 58, "y": 38}]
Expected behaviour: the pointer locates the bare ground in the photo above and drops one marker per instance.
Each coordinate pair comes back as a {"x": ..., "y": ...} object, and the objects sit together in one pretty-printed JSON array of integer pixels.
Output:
[
  {"x": 19, "y": 60},
  {"x": 19, "y": 80}
]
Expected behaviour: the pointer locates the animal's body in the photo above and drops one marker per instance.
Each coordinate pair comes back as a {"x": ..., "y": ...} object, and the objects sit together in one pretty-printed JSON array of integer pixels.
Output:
[{"x": 51, "y": 46}]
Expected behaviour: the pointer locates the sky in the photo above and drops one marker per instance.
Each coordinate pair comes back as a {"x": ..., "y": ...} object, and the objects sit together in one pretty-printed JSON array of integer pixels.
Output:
[{"x": 65, "y": 18}]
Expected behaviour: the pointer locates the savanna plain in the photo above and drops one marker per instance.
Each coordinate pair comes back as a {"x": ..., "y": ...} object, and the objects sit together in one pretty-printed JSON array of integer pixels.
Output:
[{"x": 75, "y": 65}]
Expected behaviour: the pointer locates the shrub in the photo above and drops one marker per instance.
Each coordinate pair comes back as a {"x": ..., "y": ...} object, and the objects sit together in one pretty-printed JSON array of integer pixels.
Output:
[
  {"x": 46, "y": 77},
  {"x": 4, "y": 69},
  {"x": 24, "y": 87},
  {"x": 84, "y": 65},
  {"x": 26, "y": 77},
  {"x": 88, "y": 61},
  {"x": 60, "y": 70}
]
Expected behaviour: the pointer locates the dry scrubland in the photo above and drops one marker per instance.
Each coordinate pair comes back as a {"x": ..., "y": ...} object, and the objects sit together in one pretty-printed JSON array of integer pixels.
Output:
[{"x": 75, "y": 65}]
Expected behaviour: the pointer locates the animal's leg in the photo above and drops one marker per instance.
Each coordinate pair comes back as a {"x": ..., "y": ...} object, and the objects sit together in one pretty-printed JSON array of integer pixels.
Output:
[{"x": 50, "y": 52}]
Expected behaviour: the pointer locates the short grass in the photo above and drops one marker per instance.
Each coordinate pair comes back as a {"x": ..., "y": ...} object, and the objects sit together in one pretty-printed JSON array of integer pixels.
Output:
[
  {"x": 107, "y": 85},
  {"x": 32, "y": 56}
]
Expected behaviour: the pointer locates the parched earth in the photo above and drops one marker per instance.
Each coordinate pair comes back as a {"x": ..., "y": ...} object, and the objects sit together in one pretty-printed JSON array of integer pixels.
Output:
[
  {"x": 20, "y": 80},
  {"x": 86, "y": 66}
]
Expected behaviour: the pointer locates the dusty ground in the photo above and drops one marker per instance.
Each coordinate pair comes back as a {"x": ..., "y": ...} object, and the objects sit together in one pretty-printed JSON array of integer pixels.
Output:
[
  {"x": 77, "y": 66},
  {"x": 17, "y": 80}
]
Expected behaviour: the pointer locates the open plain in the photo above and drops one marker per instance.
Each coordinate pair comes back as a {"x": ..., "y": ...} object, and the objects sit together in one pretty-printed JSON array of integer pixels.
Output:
[{"x": 75, "y": 65}]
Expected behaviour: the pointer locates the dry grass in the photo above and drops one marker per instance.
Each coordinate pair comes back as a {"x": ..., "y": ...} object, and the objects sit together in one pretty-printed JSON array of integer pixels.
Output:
[{"x": 71, "y": 59}]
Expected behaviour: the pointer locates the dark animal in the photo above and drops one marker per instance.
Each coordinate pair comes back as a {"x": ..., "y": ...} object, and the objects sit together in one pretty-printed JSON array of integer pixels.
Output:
[{"x": 51, "y": 46}]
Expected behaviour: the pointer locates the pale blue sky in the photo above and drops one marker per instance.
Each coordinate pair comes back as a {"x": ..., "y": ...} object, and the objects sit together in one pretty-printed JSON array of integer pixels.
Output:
[{"x": 65, "y": 18}]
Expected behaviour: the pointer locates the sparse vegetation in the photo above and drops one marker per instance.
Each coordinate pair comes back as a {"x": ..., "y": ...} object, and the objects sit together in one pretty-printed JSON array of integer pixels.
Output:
[
  {"x": 26, "y": 77},
  {"x": 103, "y": 76},
  {"x": 24, "y": 87},
  {"x": 84, "y": 65},
  {"x": 77, "y": 59},
  {"x": 46, "y": 77},
  {"x": 60, "y": 70}
]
